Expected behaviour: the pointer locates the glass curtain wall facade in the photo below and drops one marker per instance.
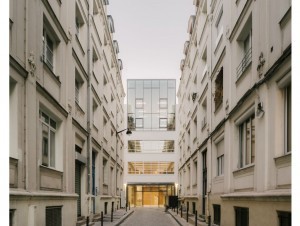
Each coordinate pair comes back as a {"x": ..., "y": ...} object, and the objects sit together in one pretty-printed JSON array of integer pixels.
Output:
[{"x": 151, "y": 104}]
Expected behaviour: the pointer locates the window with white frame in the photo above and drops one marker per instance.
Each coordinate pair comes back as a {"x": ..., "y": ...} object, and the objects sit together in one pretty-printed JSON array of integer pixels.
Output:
[
  {"x": 79, "y": 22},
  {"x": 49, "y": 127},
  {"x": 219, "y": 25},
  {"x": 195, "y": 175},
  {"x": 247, "y": 142},
  {"x": 78, "y": 87},
  {"x": 244, "y": 42},
  {"x": 48, "y": 49},
  {"x": 288, "y": 119},
  {"x": 220, "y": 157},
  {"x": 218, "y": 95}
]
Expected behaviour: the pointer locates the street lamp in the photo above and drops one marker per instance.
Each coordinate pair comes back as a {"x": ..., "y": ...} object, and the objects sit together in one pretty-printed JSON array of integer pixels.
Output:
[{"x": 128, "y": 132}]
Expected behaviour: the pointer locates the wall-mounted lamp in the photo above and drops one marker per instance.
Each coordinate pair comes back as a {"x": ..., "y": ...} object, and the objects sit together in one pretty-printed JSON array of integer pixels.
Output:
[{"x": 259, "y": 110}]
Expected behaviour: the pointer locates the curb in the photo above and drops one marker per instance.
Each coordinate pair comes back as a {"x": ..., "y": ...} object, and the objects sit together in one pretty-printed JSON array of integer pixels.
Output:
[
  {"x": 124, "y": 218},
  {"x": 175, "y": 218}
]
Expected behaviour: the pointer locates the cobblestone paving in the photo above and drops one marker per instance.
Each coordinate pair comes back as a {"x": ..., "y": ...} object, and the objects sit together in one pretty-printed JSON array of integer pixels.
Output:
[{"x": 145, "y": 216}]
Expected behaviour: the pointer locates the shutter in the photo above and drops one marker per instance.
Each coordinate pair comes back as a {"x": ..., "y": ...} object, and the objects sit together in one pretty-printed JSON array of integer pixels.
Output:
[{"x": 78, "y": 186}]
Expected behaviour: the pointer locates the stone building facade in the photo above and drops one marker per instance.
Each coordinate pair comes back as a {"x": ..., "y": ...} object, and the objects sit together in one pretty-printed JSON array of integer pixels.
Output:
[
  {"x": 66, "y": 108},
  {"x": 235, "y": 113}
]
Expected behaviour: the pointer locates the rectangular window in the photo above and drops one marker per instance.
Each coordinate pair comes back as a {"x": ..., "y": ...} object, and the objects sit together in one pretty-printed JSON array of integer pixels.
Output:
[
  {"x": 284, "y": 218},
  {"x": 163, "y": 103},
  {"x": 139, "y": 103},
  {"x": 151, "y": 168},
  {"x": 48, "y": 49},
  {"x": 53, "y": 216},
  {"x": 217, "y": 214},
  {"x": 219, "y": 89},
  {"x": 162, "y": 123},
  {"x": 151, "y": 146},
  {"x": 77, "y": 86},
  {"x": 247, "y": 142},
  {"x": 288, "y": 119},
  {"x": 241, "y": 216},
  {"x": 220, "y": 158},
  {"x": 139, "y": 123},
  {"x": 48, "y": 140}
]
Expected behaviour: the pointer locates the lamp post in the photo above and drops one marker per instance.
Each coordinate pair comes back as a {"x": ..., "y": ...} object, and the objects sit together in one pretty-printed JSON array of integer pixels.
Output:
[{"x": 128, "y": 132}]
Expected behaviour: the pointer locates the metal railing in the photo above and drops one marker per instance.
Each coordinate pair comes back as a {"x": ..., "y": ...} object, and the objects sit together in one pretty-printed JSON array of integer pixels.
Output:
[{"x": 244, "y": 63}]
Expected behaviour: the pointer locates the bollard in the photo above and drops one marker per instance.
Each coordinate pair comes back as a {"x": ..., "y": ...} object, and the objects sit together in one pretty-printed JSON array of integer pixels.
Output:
[
  {"x": 112, "y": 215},
  {"x": 181, "y": 211},
  {"x": 177, "y": 209},
  {"x": 187, "y": 215},
  {"x": 126, "y": 207},
  {"x": 209, "y": 223},
  {"x": 101, "y": 218},
  {"x": 129, "y": 205},
  {"x": 87, "y": 221},
  {"x": 196, "y": 218}
]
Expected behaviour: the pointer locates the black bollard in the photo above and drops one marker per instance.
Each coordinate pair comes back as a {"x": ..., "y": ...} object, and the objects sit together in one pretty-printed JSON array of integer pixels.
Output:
[
  {"x": 187, "y": 215},
  {"x": 101, "y": 218},
  {"x": 112, "y": 214},
  {"x": 196, "y": 218},
  {"x": 209, "y": 219},
  {"x": 181, "y": 211},
  {"x": 126, "y": 207},
  {"x": 87, "y": 221},
  {"x": 177, "y": 209},
  {"x": 129, "y": 205}
]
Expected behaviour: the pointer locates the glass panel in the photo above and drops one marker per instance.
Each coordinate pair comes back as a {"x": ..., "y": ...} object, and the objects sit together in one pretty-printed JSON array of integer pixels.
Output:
[
  {"x": 45, "y": 146},
  {"x": 52, "y": 123},
  {"x": 131, "y": 121},
  {"x": 131, "y": 83},
  {"x": 147, "y": 100},
  {"x": 139, "y": 123},
  {"x": 147, "y": 83},
  {"x": 52, "y": 149},
  {"x": 139, "y": 103},
  {"x": 155, "y": 83},
  {"x": 252, "y": 139},
  {"x": 162, "y": 123},
  {"x": 155, "y": 100},
  {"x": 163, "y": 89},
  {"x": 163, "y": 103},
  {"x": 172, "y": 83},
  {"x": 139, "y": 89},
  {"x": 171, "y": 100},
  {"x": 155, "y": 121},
  {"x": 147, "y": 121},
  {"x": 131, "y": 100},
  {"x": 45, "y": 118}
]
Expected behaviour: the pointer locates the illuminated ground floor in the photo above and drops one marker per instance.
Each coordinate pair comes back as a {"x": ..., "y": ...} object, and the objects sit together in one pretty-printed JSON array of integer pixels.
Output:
[{"x": 149, "y": 195}]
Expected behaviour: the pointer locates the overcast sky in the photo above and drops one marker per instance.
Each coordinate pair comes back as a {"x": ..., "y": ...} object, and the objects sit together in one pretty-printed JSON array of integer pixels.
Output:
[{"x": 151, "y": 35}]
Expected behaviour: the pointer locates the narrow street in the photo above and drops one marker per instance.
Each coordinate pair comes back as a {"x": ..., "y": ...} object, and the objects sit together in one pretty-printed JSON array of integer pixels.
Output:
[{"x": 148, "y": 217}]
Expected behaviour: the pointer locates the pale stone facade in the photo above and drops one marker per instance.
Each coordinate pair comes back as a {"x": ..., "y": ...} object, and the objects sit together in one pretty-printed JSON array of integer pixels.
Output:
[
  {"x": 235, "y": 113},
  {"x": 66, "y": 107}
]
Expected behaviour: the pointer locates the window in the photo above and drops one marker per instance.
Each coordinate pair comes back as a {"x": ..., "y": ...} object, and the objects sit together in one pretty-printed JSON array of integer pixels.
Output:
[
  {"x": 79, "y": 22},
  {"x": 244, "y": 42},
  {"x": 53, "y": 216},
  {"x": 48, "y": 140},
  {"x": 219, "y": 89},
  {"x": 241, "y": 216},
  {"x": 217, "y": 214},
  {"x": 288, "y": 119},
  {"x": 284, "y": 218},
  {"x": 150, "y": 167},
  {"x": 48, "y": 49},
  {"x": 163, "y": 103},
  {"x": 139, "y": 104},
  {"x": 151, "y": 146},
  {"x": 139, "y": 123},
  {"x": 78, "y": 87},
  {"x": 219, "y": 25},
  {"x": 247, "y": 142},
  {"x": 220, "y": 158},
  {"x": 162, "y": 123}
]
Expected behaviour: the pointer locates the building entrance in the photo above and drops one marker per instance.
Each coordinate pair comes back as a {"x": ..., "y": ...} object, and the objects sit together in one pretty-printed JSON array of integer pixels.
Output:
[{"x": 149, "y": 195}]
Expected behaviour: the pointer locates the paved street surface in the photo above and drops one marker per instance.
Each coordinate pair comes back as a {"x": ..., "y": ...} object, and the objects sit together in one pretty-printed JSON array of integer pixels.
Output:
[{"x": 145, "y": 216}]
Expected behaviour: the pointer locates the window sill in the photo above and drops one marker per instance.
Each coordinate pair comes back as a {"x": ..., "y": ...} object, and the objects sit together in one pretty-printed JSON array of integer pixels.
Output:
[
  {"x": 218, "y": 108},
  {"x": 283, "y": 160},
  {"x": 79, "y": 108},
  {"x": 51, "y": 169},
  {"x": 218, "y": 179},
  {"x": 239, "y": 78},
  {"x": 249, "y": 169}
]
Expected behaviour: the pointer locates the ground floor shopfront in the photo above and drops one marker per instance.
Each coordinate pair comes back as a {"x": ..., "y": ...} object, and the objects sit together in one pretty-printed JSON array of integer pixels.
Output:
[{"x": 149, "y": 195}]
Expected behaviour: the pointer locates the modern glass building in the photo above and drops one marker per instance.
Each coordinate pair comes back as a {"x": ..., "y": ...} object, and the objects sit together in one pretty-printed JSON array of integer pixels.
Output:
[{"x": 150, "y": 158}]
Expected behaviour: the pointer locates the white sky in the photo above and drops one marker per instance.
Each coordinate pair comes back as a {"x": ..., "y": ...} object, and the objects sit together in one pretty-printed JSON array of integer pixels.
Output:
[{"x": 151, "y": 35}]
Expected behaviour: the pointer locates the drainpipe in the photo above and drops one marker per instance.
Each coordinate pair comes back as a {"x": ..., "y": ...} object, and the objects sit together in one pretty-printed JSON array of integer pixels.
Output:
[{"x": 89, "y": 107}]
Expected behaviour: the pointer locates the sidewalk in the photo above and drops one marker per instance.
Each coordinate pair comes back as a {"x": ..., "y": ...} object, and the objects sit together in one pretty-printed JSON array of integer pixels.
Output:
[
  {"x": 118, "y": 217},
  {"x": 182, "y": 221}
]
